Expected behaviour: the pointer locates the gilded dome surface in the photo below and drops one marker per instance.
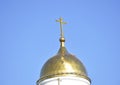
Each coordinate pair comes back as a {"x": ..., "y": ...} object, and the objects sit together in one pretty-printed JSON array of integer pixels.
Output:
[{"x": 63, "y": 64}]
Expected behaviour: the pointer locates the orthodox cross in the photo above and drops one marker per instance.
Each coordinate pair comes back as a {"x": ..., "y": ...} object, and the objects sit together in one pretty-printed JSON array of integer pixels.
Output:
[{"x": 61, "y": 23}]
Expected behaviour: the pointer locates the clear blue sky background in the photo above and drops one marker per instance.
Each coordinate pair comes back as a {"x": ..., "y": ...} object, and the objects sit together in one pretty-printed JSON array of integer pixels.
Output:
[{"x": 29, "y": 36}]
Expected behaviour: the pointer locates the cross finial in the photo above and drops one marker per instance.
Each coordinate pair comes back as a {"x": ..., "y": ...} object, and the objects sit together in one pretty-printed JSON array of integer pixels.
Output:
[{"x": 61, "y": 23}]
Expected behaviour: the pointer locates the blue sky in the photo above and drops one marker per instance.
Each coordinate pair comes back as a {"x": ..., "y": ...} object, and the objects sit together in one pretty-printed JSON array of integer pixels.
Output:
[{"x": 29, "y": 36}]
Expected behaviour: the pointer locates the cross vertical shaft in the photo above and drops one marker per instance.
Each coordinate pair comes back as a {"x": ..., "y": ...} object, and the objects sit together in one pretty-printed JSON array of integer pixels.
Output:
[
  {"x": 61, "y": 23},
  {"x": 58, "y": 81}
]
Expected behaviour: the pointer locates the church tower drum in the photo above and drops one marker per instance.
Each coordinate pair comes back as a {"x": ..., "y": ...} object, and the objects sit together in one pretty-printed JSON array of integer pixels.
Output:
[{"x": 63, "y": 68}]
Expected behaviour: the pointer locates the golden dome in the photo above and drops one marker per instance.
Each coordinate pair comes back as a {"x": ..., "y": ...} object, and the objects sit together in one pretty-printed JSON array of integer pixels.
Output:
[{"x": 63, "y": 64}]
